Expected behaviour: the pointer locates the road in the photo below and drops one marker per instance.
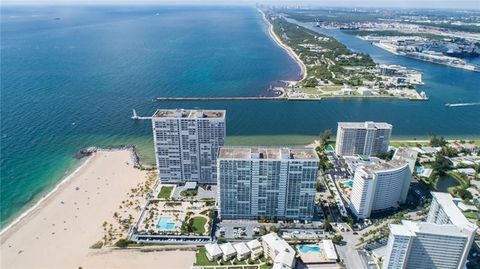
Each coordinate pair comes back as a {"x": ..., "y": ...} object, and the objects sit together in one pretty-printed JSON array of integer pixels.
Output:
[{"x": 349, "y": 254}]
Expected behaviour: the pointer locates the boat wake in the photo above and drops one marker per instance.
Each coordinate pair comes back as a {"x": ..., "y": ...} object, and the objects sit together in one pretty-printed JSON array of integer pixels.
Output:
[{"x": 463, "y": 104}]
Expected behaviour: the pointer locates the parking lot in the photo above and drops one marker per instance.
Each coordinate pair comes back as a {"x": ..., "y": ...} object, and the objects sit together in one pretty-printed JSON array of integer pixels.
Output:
[{"x": 238, "y": 229}]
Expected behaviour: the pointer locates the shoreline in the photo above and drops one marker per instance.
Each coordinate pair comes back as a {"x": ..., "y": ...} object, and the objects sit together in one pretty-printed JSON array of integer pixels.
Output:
[
  {"x": 44, "y": 199},
  {"x": 289, "y": 50},
  {"x": 73, "y": 211}
]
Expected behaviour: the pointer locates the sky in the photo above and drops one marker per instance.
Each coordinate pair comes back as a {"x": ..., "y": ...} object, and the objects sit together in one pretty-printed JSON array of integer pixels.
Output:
[{"x": 450, "y": 4}]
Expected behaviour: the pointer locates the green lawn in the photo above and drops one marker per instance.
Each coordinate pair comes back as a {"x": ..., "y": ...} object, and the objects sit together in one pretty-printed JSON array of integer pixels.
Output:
[
  {"x": 199, "y": 224},
  {"x": 201, "y": 258},
  {"x": 165, "y": 192},
  {"x": 188, "y": 193},
  {"x": 332, "y": 88},
  {"x": 308, "y": 90},
  {"x": 470, "y": 215}
]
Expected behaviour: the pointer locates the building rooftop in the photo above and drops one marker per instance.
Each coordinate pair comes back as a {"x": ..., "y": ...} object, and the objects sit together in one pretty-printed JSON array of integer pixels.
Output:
[
  {"x": 227, "y": 249},
  {"x": 405, "y": 154},
  {"x": 433, "y": 228},
  {"x": 448, "y": 205},
  {"x": 286, "y": 254},
  {"x": 364, "y": 125},
  {"x": 192, "y": 114},
  {"x": 213, "y": 249},
  {"x": 400, "y": 229},
  {"x": 241, "y": 248},
  {"x": 329, "y": 249},
  {"x": 251, "y": 153},
  {"x": 254, "y": 244},
  {"x": 378, "y": 167}
]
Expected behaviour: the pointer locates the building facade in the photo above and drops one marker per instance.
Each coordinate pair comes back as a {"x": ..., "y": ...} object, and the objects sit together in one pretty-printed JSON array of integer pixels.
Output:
[
  {"x": 423, "y": 245},
  {"x": 278, "y": 251},
  {"x": 362, "y": 138},
  {"x": 266, "y": 183},
  {"x": 379, "y": 187},
  {"x": 442, "y": 242},
  {"x": 187, "y": 144}
]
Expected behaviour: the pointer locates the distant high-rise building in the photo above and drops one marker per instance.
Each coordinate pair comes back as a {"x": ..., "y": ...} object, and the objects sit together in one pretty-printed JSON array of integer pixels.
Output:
[
  {"x": 379, "y": 187},
  {"x": 442, "y": 242},
  {"x": 187, "y": 144},
  {"x": 266, "y": 183},
  {"x": 362, "y": 138}
]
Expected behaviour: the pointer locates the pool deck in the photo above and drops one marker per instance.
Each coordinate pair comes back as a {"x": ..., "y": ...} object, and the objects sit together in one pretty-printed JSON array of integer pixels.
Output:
[{"x": 313, "y": 257}]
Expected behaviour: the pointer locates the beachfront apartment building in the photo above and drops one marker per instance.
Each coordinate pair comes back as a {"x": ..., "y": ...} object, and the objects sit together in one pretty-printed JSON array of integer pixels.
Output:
[
  {"x": 442, "y": 242},
  {"x": 424, "y": 245},
  {"x": 362, "y": 138},
  {"x": 378, "y": 187},
  {"x": 267, "y": 183},
  {"x": 187, "y": 143}
]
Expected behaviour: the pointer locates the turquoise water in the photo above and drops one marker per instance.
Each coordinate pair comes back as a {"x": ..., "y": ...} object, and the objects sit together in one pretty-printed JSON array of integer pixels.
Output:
[
  {"x": 165, "y": 224},
  {"x": 419, "y": 169},
  {"x": 73, "y": 82},
  {"x": 308, "y": 248},
  {"x": 348, "y": 183}
]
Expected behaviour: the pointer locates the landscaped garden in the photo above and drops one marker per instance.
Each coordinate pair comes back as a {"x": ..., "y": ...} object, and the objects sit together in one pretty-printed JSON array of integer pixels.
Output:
[
  {"x": 162, "y": 217},
  {"x": 198, "y": 224},
  {"x": 165, "y": 192},
  {"x": 189, "y": 193}
]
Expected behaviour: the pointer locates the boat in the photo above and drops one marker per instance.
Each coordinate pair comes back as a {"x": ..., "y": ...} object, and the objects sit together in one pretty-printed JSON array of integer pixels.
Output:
[{"x": 462, "y": 104}]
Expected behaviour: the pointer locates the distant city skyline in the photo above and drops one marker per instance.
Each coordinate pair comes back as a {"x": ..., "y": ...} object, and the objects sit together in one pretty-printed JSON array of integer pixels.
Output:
[{"x": 436, "y": 4}]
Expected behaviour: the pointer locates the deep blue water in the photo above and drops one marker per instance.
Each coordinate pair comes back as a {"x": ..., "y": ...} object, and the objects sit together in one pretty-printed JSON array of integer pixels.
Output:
[{"x": 72, "y": 82}]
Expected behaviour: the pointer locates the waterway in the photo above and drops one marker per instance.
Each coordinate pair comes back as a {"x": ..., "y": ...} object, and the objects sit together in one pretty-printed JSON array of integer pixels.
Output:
[{"x": 70, "y": 77}]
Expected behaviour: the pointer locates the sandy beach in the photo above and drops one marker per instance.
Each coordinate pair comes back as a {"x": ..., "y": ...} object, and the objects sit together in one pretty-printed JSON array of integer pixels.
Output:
[
  {"x": 59, "y": 230},
  {"x": 289, "y": 50}
]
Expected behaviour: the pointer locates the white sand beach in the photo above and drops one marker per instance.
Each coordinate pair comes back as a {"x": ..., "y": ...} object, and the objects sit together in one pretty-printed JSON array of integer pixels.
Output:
[
  {"x": 289, "y": 50},
  {"x": 59, "y": 231}
]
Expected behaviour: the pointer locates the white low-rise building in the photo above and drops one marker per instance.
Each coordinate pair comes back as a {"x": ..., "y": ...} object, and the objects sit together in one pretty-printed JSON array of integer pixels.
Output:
[
  {"x": 329, "y": 250},
  {"x": 279, "y": 251},
  {"x": 255, "y": 249},
  {"x": 213, "y": 251},
  {"x": 243, "y": 252},
  {"x": 228, "y": 251}
]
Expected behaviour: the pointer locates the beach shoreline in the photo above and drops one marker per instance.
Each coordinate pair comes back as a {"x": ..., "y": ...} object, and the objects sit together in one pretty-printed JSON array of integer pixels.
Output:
[
  {"x": 44, "y": 199},
  {"x": 59, "y": 230},
  {"x": 289, "y": 50}
]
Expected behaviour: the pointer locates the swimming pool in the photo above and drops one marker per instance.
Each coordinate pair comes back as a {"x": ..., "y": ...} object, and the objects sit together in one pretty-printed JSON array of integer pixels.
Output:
[
  {"x": 165, "y": 224},
  {"x": 308, "y": 248},
  {"x": 419, "y": 169},
  {"x": 348, "y": 183}
]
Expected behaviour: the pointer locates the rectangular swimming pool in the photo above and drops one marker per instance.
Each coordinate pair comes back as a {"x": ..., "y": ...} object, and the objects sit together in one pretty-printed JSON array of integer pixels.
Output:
[
  {"x": 308, "y": 248},
  {"x": 165, "y": 224}
]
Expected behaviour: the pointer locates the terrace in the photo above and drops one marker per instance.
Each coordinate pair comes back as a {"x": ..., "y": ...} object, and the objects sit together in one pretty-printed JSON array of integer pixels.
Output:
[{"x": 175, "y": 219}]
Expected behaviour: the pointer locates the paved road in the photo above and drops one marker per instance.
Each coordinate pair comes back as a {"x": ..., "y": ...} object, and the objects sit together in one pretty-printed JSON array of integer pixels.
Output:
[{"x": 349, "y": 254}]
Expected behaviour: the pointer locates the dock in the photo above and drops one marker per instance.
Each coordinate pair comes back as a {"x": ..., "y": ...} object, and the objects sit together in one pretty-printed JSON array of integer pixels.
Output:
[{"x": 136, "y": 117}]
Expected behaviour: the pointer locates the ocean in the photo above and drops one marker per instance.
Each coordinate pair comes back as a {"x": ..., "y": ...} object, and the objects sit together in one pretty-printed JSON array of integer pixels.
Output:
[{"x": 71, "y": 75}]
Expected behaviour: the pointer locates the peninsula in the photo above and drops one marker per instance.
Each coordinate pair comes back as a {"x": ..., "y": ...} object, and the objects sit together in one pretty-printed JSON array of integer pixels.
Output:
[{"x": 330, "y": 69}]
